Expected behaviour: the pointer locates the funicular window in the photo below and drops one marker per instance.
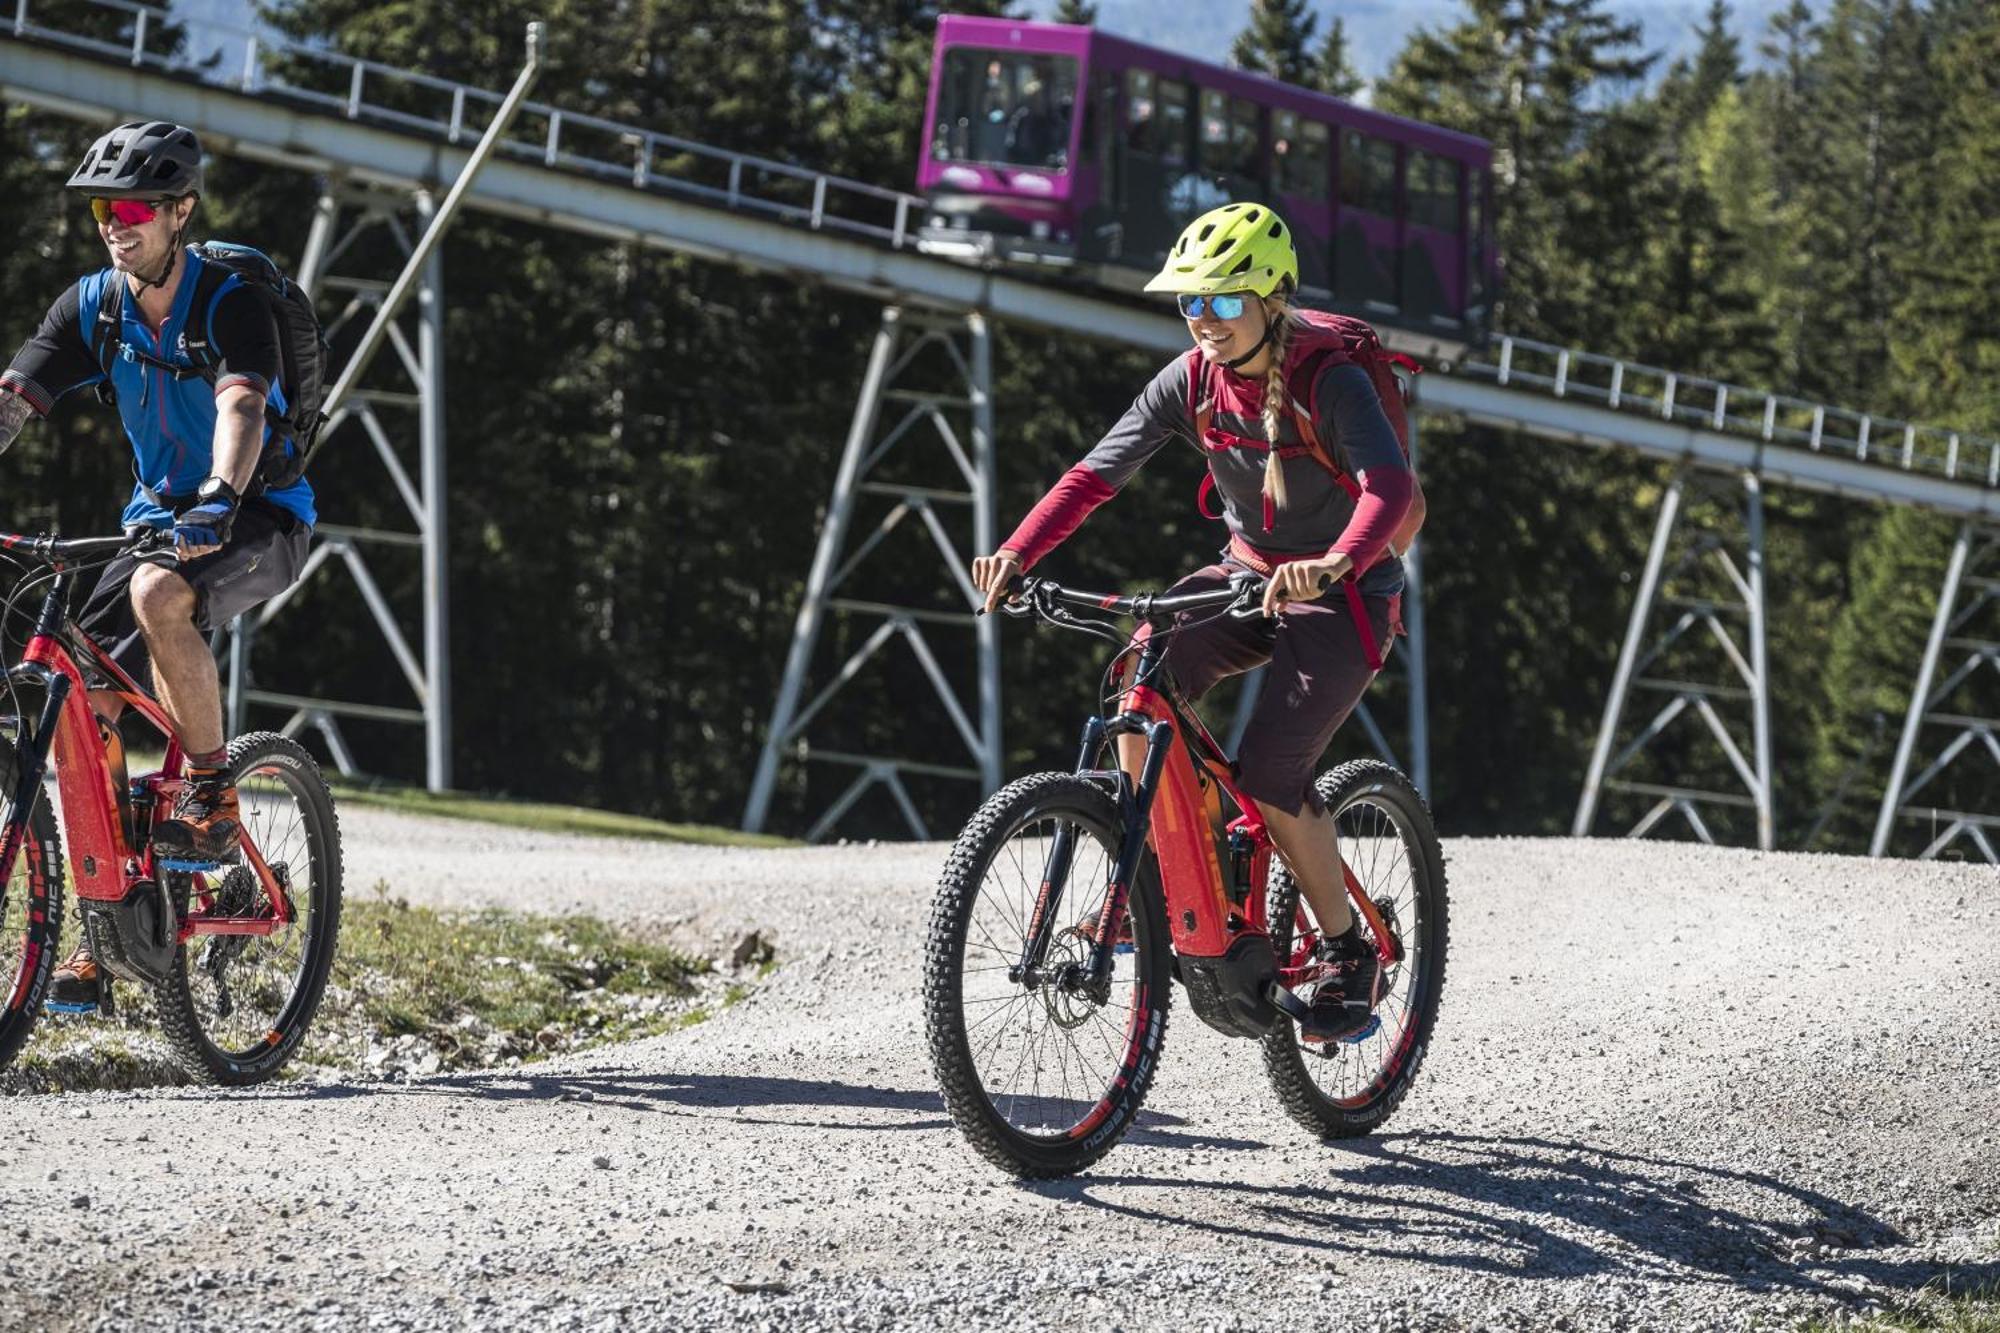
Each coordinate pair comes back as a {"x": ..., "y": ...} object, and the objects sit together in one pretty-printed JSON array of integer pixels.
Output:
[
  {"x": 1478, "y": 256},
  {"x": 1005, "y": 108},
  {"x": 1367, "y": 268},
  {"x": 1174, "y": 124},
  {"x": 1434, "y": 190},
  {"x": 1229, "y": 138},
  {"x": 1368, "y": 173},
  {"x": 1142, "y": 112},
  {"x": 1298, "y": 155}
]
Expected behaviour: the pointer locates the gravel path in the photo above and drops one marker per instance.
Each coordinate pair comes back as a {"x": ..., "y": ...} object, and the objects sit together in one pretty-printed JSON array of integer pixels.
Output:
[{"x": 1672, "y": 1087}]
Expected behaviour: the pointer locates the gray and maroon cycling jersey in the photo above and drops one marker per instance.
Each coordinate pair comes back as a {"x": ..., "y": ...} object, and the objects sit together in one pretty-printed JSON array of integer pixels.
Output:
[{"x": 1319, "y": 516}]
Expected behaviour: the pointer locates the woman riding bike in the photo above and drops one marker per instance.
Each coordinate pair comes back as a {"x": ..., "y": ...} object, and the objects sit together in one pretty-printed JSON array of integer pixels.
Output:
[{"x": 1259, "y": 363}]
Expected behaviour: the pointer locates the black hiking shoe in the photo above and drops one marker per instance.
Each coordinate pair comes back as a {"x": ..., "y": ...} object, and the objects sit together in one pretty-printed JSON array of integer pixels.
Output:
[
  {"x": 206, "y": 825},
  {"x": 1344, "y": 1005}
]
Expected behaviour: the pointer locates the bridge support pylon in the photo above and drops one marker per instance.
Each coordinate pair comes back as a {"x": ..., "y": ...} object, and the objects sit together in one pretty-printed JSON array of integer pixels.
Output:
[
  {"x": 1700, "y": 580},
  {"x": 1965, "y": 603},
  {"x": 346, "y": 218},
  {"x": 960, "y": 345}
]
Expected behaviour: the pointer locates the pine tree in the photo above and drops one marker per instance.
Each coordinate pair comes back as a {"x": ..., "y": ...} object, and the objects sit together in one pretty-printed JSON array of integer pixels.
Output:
[
  {"x": 1083, "y": 13},
  {"x": 1278, "y": 41},
  {"x": 1336, "y": 67}
]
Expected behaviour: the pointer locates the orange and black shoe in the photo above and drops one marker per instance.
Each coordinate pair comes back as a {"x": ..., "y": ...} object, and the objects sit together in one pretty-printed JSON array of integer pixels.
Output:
[
  {"x": 1087, "y": 927},
  {"x": 1343, "y": 1008},
  {"x": 74, "y": 988},
  {"x": 206, "y": 827}
]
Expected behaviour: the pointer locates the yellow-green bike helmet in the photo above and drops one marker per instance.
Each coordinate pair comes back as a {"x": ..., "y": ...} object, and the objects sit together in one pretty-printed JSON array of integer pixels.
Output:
[{"x": 1235, "y": 248}]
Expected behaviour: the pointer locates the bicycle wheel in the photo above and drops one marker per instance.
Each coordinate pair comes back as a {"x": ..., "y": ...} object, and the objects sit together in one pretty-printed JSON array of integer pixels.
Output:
[
  {"x": 31, "y": 903},
  {"x": 1340, "y": 1089},
  {"x": 235, "y": 1007},
  {"x": 1045, "y": 1078}
]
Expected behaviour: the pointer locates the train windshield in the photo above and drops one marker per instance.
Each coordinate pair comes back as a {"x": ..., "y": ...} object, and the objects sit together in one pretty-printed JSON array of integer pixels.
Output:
[{"x": 1005, "y": 108}]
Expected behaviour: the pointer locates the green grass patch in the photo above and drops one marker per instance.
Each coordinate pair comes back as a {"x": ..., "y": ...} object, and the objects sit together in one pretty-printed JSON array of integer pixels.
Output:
[
  {"x": 419, "y": 991},
  {"x": 1933, "y": 1310},
  {"x": 544, "y": 817}
]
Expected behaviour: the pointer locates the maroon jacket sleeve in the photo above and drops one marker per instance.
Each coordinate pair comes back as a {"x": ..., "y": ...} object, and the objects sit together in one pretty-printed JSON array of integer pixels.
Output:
[
  {"x": 1159, "y": 414},
  {"x": 1378, "y": 511},
  {"x": 1348, "y": 414},
  {"x": 1059, "y": 513}
]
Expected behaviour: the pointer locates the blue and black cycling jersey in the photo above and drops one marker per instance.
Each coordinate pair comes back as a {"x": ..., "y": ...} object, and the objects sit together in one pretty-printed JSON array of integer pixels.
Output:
[{"x": 170, "y": 422}]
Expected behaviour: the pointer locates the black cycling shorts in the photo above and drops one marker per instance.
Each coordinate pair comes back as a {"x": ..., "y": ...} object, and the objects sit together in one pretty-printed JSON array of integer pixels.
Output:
[{"x": 265, "y": 551}]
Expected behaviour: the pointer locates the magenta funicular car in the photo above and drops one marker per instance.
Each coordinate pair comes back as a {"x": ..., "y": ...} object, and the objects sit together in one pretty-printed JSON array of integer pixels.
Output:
[{"x": 1064, "y": 148}]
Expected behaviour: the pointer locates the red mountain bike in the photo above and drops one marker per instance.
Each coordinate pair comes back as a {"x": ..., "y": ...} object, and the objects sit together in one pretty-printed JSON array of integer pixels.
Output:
[
  {"x": 236, "y": 956},
  {"x": 1071, "y": 898}
]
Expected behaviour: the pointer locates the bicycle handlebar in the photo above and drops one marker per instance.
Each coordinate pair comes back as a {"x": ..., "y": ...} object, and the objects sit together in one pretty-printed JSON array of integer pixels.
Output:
[
  {"x": 56, "y": 550},
  {"x": 1242, "y": 596}
]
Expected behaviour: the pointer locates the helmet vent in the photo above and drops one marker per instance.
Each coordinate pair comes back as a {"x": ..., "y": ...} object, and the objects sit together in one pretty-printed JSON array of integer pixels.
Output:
[{"x": 1243, "y": 265}]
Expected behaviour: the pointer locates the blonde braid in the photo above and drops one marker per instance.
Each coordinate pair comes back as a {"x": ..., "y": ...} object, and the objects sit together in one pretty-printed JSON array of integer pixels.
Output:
[{"x": 1275, "y": 391}]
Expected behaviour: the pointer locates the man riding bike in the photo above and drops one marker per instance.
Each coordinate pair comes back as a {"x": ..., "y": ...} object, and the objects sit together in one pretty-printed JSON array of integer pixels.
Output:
[
  {"x": 198, "y": 434},
  {"x": 1291, "y": 517}
]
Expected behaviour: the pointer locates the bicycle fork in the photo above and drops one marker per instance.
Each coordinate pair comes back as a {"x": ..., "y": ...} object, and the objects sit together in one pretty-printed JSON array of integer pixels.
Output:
[{"x": 1134, "y": 808}]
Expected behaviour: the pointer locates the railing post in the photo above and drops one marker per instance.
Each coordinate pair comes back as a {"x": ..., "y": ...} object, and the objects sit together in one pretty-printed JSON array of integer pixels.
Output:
[
  {"x": 642, "y": 164},
  {"x": 735, "y": 181},
  {"x": 1909, "y": 446},
  {"x": 1617, "y": 383},
  {"x": 457, "y": 113},
  {"x": 1819, "y": 425},
  {"x": 819, "y": 201},
  {"x": 1667, "y": 399},
  {"x": 354, "y": 92},
  {"x": 1506, "y": 360},
  {"x": 1770, "y": 416},
  {"x": 139, "y": 39},
  {"x": 1861, "y": 446},
  {"x": 550, "y": 153},
  {"x": 902, "y": 221},
  {"x": 250, "y": 64},
  {"x": 1721, "y": 417},
  {"x": 20, "y": 17},
  {"x": 1562, "y": 372}
]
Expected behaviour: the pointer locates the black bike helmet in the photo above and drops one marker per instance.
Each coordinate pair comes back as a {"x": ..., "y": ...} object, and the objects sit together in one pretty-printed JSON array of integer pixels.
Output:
[{"x": 148, "y": 160}]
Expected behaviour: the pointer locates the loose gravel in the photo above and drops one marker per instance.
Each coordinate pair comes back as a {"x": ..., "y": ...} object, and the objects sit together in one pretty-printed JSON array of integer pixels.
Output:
[{"x": 1672, "y": 1087}]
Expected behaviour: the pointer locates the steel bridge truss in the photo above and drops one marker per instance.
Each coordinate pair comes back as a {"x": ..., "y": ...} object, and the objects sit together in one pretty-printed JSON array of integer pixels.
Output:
[
  {"x": 1966, "y": 602},
  {"x": 905, "y": 339},
  {"x": 346, "y": 301},
  {"x": 1695, "y": 608}
]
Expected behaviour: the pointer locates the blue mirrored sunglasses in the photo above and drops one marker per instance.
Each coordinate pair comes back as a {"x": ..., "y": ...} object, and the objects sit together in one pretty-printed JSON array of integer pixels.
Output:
[{"x": 1226, "y": 306}]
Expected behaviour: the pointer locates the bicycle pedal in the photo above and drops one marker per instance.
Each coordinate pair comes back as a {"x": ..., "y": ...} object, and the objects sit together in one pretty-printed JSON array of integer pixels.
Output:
[
  {"x": 1374, "y": 1026},
  {"x": 188, "y": 867},
  {"x": 60, "y": 1007}
]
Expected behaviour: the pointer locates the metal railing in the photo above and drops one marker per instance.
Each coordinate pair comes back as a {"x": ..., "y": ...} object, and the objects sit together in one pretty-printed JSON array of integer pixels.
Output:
[
  {"x": 368, "y": 92},
  {"x": 1729, "y": 409}
]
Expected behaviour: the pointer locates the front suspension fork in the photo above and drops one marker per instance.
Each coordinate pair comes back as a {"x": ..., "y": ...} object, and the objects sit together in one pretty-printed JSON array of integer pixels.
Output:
[{"x": 1134, "y": 808}]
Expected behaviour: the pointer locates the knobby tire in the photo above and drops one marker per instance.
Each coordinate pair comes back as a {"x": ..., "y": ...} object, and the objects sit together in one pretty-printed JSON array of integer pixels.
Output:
[
  {"x": 981, "y": 851},
  {"x": 267, "y": 768},
  {"x": 1391, "y": 1058}
]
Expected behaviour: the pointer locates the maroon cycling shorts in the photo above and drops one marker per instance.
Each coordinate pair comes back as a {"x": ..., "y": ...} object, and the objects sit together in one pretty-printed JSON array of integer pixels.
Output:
[{"x": 1319, "y": 668}]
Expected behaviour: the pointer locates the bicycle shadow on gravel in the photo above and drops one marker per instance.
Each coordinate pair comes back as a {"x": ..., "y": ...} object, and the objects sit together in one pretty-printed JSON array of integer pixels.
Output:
[
  {"x": 737, "y": 1098},
  {"x": 1531, "y": 1207}
]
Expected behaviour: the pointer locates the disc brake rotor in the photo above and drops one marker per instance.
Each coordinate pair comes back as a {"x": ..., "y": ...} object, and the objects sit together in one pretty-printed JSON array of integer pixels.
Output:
[{"x": 1062, "y": 997}]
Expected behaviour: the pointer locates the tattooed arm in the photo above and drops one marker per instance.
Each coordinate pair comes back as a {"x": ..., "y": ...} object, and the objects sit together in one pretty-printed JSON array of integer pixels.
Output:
[{"x": 14, "y": 413}]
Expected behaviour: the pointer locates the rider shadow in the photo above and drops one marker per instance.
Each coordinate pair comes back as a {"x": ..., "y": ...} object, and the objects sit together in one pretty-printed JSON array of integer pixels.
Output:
[
  {"x": 1529, "y": 1207},
  {"x": 740, "y": 1097}
]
